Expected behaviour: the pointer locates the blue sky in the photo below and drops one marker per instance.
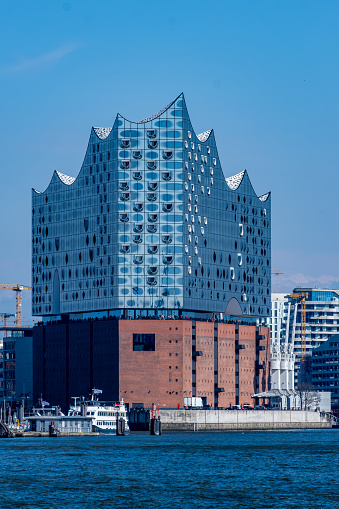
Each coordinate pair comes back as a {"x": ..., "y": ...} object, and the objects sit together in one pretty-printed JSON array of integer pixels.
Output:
[{"x": 263, "y": 74}]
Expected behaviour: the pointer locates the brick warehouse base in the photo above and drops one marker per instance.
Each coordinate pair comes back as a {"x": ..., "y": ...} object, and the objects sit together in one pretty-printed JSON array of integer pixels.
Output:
[{"x": 151, "y": 361}]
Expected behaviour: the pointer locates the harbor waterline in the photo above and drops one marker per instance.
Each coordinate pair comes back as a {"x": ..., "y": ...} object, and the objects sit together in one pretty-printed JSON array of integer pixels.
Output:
[{"x": 261, "y": 469}]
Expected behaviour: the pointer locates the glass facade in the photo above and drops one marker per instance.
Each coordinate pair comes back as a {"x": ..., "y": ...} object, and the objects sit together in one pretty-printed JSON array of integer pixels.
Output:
[{"x": 151, "y": 223}]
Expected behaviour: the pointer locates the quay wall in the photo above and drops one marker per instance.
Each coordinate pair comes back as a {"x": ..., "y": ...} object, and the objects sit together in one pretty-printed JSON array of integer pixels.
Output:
[{"x": 214, "y": 420}]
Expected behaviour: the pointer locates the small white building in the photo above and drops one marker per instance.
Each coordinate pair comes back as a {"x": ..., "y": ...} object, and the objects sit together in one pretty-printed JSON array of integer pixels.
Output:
[{"x": 63, "y": 423}]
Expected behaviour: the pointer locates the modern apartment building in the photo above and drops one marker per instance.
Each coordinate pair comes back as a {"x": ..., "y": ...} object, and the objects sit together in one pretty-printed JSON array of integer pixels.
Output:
[
  {"x": 17, "y": 361},
  {"x": 325, "y": 368},
  {"x": 277, "y": 321},
  {"x": 322, "y": 319}
]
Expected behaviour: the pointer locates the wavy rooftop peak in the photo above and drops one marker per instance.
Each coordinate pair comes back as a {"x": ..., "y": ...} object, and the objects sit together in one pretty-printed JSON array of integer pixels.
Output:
[
  {"x": 204, "y": 136},
  {"x": 102, "y": 132},
  {"x": 65, "y": 179},
  {"x": 160, "y": 112},
  {"x": 264, "y": 197},
  {"x": 235, "y": 181}
]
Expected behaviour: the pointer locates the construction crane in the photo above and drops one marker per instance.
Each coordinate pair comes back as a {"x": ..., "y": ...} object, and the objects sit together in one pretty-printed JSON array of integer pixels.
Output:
[
  {"x": 277, "y": 272},
  {"x": 302, "y": 296},
  {"x": 5, "y": 317},
  {"x": 32, "y": 319},
  {"x": 18, "y": 299}
]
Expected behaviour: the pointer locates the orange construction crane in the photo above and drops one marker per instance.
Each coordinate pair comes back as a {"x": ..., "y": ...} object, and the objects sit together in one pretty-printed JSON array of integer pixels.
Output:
[
  {"x": 5, "y": 317},
  {"x": 18, "y": 298},
  {"x": 32, "y": 319},
  {"x": 302, "y": 296}
]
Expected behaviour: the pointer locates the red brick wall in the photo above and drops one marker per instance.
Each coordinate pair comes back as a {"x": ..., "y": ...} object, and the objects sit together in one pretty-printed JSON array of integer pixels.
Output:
[
  {"x": 247, "y": 359},
  {"x": 226, "y": 364},
  {"x": 107, "y": 361},
  {"x": 205, "y": 363},
  {"x": 164, "y": 376},
  {"x": 155, "y": 377}
]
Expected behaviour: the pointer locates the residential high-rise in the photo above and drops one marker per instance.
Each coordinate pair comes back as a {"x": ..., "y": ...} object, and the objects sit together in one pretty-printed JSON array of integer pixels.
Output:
[
  {"x": 325, "y": 369},
  {"x": 322, "y": 319}
]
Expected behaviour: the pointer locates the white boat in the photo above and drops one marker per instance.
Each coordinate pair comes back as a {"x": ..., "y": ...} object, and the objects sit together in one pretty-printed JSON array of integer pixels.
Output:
[{"x": 107, "y": 417}]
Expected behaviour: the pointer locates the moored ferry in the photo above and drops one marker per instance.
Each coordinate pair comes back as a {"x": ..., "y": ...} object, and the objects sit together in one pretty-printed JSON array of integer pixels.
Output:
[{"x": 107, "y": 416}]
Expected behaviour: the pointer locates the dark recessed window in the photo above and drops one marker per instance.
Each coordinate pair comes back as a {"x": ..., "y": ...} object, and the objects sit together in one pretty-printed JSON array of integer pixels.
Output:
[
  {"x": 151, "y": 165},
  {"x": 143, "y": 342},
  {"x": 151, "y": 133},
  {"x": 152, "y": 143},
  {"x": 167, "y": 154},
  {"x": 124, "y": 143}
]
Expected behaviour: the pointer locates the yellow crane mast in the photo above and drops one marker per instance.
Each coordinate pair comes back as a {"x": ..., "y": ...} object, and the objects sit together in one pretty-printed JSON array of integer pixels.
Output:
[
  {"x": 302, "y": 296},
  {"x": 18, "y": 299},
  {"x": 5, "y": 317}
]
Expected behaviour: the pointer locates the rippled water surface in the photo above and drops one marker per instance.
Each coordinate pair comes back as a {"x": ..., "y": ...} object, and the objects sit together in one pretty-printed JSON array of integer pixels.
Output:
[{"x": 289, "y": 469}]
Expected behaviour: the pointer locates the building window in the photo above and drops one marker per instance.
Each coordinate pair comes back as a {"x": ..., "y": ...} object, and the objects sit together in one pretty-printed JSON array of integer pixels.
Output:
[
  {"x": 124, "y": 143},
  {"x": 124, "y": 196},
  {"x": 138, "y": 207},
  {"x": 167, "y": 154},
  {"x": 166, "y": 175},
  {"x": 151, "y": 133},
  {"x": 151, "y": 280},
  {"x": 143, "y": 342},
  {"x": 167, "y": 239},
  {"x": 137, "y": 154},
  {"x": 151, "y": 196},
  {"x": 151, "y": 228},
  {"x": 138, "y": 227},
  {"x": 152, "y": 143},
  {"x": 151, "y": 165}
]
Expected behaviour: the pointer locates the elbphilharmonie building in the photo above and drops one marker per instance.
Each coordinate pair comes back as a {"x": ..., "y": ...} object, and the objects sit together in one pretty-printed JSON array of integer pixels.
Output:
[{"x": 151, "y": 225}]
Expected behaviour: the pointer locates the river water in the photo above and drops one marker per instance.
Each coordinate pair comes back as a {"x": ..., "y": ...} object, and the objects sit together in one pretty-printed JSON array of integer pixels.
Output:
[{"x": 271, "y": 469}]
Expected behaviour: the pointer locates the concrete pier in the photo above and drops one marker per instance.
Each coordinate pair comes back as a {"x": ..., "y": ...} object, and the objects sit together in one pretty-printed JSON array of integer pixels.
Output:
[{"x": 218, "y": 420}]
